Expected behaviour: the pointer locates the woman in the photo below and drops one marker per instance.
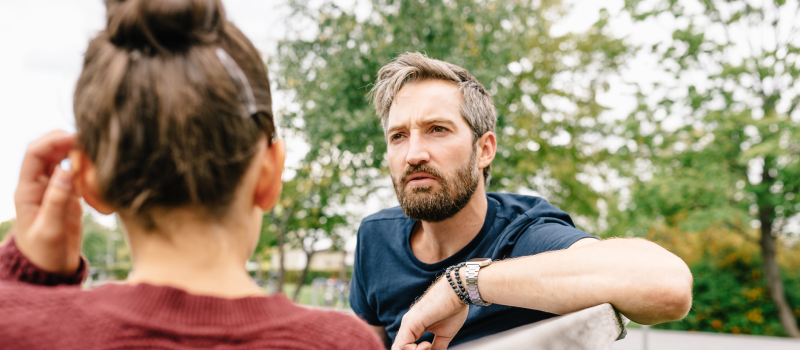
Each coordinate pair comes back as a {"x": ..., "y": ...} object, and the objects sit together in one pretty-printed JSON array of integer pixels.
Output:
[{"x": 175, "y": 135}]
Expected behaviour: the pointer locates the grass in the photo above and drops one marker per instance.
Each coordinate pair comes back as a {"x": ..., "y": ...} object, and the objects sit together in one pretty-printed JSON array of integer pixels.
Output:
[{"x": 305, "y": 293}]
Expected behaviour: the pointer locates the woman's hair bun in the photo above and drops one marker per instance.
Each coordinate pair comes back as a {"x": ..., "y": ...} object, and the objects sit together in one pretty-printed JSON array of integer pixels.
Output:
[{"x": 163, "y": 25}]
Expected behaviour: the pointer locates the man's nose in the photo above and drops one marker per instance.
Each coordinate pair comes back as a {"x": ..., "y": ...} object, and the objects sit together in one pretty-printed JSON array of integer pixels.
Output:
[{"x": 417, "y": 150}]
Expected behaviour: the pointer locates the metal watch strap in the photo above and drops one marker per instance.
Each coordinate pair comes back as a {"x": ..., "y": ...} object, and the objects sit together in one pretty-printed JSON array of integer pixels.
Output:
[
  {"x": 461, "y": 286},
  {"x": 472, "y": 285}
]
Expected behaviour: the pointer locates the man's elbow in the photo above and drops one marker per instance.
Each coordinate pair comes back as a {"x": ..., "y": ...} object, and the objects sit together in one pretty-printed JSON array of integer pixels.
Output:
[
  {"x": 673, "y": 299},
  {"x": 679, "y": 302}
]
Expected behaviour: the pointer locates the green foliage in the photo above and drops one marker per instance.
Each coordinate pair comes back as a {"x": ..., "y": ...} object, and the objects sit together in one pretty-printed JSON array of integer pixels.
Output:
[
  {"x": 292, "y": 277},
  {"x": 306, "y": 212},
  {"x": 730, "y": 296},
  {"x": 730, "y": 293},
  {"x": 310, "y": 210},
  {"x": 95, "y": 246},
  {"x": 735, "y": 157},
  {"x": 543, "y": 86},
  {"x": 5, "y": 228},
  {"x": 721, "y": 151}
]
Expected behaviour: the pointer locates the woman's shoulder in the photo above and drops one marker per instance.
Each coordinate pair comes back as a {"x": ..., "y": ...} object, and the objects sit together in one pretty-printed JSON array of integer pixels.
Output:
[
  {"x": 38, "y": 317},
  {"x": 42, "y": 317},
  {"x": 332, "y": 329},
  {"x": 29, "y": 297}
]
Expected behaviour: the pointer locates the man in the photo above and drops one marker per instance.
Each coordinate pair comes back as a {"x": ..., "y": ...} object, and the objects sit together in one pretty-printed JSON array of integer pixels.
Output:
[{"x": 439, "y": 123}]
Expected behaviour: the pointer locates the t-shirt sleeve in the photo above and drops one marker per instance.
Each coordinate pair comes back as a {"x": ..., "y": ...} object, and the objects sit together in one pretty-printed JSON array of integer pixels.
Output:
[
  {"x": 358, "y": 290},
  {"x": 547, "y": 235}
]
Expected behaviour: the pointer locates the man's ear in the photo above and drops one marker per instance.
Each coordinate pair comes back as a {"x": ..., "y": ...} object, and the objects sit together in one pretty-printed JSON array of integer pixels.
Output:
[
  {"x": 86, "y": 184},
  {"x": 487, "y": 149},
  {"x": 270, "y": 181}
]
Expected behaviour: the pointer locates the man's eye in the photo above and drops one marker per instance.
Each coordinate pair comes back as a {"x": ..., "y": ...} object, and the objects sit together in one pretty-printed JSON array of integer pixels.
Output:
[
  {"x": 395, "y": 137},
  {"x": 438, "y": 129}
]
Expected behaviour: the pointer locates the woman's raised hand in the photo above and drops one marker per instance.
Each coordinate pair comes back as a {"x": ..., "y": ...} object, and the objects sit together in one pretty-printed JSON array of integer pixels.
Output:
[{"x": 48, "y": 224}]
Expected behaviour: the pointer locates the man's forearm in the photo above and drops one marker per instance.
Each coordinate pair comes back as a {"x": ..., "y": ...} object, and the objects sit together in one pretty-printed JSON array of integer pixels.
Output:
[{"x": 645, "y": 282}]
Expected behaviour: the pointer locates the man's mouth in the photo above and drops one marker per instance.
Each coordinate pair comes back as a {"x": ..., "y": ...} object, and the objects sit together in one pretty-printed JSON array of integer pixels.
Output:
[{"x": 420, "y": 179}]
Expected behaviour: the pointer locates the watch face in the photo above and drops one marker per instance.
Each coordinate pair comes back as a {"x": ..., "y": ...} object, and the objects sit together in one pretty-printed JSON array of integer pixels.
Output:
[{"x": 481, "y": 261}]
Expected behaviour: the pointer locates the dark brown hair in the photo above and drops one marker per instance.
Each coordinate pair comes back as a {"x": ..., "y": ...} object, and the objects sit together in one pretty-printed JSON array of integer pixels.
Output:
[{"x": 160, "y": 115}]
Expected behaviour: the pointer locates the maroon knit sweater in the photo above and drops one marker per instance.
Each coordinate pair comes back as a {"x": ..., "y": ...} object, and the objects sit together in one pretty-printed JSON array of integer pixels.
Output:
[{"x": 41, "y": 310}]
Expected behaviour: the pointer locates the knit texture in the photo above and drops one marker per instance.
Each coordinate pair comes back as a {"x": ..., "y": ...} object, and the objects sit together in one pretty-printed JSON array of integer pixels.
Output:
[
  {"x": 16, "y": 267},
  {"x": 41, "y": 310}
]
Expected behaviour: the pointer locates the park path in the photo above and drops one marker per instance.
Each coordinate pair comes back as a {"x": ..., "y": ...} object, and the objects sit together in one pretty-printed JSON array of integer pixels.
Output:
[{"x": 679, "y": 340}]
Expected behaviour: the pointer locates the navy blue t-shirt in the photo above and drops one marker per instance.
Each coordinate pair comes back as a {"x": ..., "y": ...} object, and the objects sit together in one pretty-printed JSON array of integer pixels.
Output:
[{"x": 388, "y": 277}]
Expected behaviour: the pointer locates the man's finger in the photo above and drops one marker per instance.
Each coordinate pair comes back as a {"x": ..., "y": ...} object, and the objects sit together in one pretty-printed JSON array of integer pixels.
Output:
[
  {"x": 440, "y": 342},
  {"x": 56, "y": 203},
  {"x": 404, "y": 337},
  {"x": 424, "y": 346}
]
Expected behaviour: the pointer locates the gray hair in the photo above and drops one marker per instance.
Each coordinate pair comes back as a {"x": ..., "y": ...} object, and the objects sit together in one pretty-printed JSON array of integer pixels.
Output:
[{"x": 477, "y": 106}]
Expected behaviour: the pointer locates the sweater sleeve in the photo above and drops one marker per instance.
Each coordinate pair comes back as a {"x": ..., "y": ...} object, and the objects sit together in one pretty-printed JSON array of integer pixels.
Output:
[{"x": 15, "y": 266}]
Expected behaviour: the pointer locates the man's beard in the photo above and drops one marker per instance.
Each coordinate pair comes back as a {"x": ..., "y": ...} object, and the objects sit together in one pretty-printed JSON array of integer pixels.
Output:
[{"x": 426, "y": 203}]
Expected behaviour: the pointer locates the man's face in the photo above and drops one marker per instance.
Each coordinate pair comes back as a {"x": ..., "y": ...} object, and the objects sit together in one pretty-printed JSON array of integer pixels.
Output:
[{"x": 432, "y": 154}]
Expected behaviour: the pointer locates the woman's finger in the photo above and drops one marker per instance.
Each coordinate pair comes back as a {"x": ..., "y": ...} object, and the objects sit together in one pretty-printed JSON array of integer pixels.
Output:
[
  {"x": 52, "y": 238},
  {"x": 43, "y": 153},
  {"x": 41, "y": 159},
  {"x": 57, "y": 198}
]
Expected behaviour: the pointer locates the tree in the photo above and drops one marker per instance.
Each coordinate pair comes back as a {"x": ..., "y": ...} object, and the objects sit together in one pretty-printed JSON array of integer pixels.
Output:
[
  {"x": 544, "y": 87},
  {"x": 104, "y": 247},
  {"x": 311, "y": 210},
  {"x": 733, "y": 158},
  {"x": 96, "y": 242},
  {"x": 730, "y": 294}
]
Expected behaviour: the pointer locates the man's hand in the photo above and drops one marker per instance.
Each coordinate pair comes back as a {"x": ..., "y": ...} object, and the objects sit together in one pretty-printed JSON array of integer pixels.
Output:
[
  {"x": 48, "y": 226},
  {"x": 439, "y": 311}
]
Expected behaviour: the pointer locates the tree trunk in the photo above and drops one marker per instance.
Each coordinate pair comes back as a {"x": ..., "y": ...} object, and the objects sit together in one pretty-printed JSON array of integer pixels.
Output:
[
  {"x": 302, "y": 280},
  {"x": 343, "y": 267},
  {"x": 281, "y": 262},
  {"x": 259, "y": 270},
  {"x": 772, "y": 272},
  {"x": 284, "y": 224}
]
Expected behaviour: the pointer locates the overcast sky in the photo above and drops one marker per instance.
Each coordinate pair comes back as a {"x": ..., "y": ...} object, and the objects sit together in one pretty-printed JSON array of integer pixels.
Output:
[{"x": 43, "y": 42}]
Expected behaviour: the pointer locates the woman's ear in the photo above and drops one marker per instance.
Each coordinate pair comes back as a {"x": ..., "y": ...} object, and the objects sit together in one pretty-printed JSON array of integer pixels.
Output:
[
  {"x": 86, "y": 185},
  {"x": 270, "y": 181}
]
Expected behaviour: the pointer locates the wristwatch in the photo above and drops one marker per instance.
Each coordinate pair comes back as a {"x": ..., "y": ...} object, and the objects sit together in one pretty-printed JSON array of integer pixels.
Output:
[{"x": 473, "y": 267}]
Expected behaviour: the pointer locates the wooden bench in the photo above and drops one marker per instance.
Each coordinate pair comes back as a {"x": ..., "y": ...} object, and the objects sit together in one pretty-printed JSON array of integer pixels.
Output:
[{"x": 595, "y": 328}]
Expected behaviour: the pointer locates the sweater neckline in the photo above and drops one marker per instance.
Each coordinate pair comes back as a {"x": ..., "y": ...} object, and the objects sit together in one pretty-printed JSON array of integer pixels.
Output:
[{"x": 172, "y": 306}]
